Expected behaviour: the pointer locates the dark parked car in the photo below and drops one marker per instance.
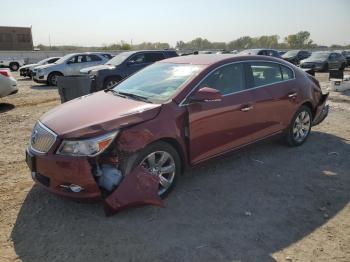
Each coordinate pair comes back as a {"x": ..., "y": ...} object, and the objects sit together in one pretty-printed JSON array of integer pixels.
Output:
[
  {"x": 346, "y": 54},
  {"x": 267, "y": 52},
  {"x": 129, "y": 144},
  {"x": 323, "y": 61},
  {"x": 295, "y": 56},
  {"x": 123, "y": 65}
]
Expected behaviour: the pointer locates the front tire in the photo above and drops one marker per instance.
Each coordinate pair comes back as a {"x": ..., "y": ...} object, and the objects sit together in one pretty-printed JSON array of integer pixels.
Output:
[
  {"x": 111, "y": 81},
  {"x": 300, "y": 127},
  {"x": 52, "y": 78},
  {"x": 162, "y": 160}
]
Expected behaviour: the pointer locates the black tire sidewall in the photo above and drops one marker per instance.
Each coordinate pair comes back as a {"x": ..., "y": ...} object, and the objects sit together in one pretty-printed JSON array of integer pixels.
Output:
[
  {"x": 50, "y": 78},
  {"x": 289, "y": 134},
  {"x": 136, "y": 159},
  {"x": 115, "y": 78},
  {"x": 14, "y": 64}
]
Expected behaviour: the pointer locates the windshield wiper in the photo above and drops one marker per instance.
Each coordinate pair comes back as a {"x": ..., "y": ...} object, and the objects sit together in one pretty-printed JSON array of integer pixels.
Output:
[{"x": 137, "y": 97}]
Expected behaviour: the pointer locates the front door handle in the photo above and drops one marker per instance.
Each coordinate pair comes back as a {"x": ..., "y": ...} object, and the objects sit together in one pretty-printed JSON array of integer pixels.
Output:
[
  {"x": 292, "y": 95},
  {"x": 246, "y": 108}
]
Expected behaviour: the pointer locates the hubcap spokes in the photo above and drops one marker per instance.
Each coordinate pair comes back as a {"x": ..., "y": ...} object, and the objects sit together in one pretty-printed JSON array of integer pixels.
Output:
[
  {"x": 111, "y": 83},
  {"x": 161, "y": 164},
  {"x": 301, "y": 126}
]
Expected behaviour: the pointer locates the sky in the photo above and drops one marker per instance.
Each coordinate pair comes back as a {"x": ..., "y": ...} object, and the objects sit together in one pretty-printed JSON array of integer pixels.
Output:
[{"x": 96, "y": 23}]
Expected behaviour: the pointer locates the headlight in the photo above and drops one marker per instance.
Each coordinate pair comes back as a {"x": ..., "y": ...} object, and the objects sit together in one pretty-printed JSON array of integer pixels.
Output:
[{"x": 86, "y": 147}]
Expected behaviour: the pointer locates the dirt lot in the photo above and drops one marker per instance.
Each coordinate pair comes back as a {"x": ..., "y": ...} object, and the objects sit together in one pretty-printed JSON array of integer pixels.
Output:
[{"x": 267, "y": 202}]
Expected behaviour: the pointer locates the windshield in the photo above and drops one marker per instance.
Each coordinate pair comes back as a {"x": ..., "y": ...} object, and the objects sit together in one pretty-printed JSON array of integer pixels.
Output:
[
  {"x": 158, "y": 82},
  {"x": 118, "y": 59},
  {"x": 291, "y": 53},
  {"x": 44, "y": 61},
  {"x": 319, "y": 55},
  {"x": 63, "y": 59}
]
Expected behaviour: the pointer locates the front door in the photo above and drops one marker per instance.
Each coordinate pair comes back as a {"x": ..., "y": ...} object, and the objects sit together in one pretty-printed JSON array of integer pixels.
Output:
[{"x": 216, "y": 127}]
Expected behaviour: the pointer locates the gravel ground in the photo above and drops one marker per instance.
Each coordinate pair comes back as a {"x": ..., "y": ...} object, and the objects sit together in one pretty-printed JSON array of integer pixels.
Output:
[{"x": 267, "y": 202}]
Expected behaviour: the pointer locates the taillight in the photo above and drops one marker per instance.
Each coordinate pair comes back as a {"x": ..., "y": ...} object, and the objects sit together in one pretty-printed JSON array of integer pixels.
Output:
[{"x": 5, "y": 73}]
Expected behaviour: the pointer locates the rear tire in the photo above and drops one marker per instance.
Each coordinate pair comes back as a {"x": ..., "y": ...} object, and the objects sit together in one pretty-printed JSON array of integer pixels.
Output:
[
  {"x": 343, "y": 66},
  {"x": 300, "y": 127},
  {"x": 14, "y": 66},
  {"x": 52, "y": 78}
]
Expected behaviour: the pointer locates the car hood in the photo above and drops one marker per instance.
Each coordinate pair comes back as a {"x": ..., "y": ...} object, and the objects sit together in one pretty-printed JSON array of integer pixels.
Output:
[
  {"x": 28, "y": 66},
  {"x": 45, "y": 66},
  {"x": 96, "y": 114},
  {"x": 98, "y": 67}
]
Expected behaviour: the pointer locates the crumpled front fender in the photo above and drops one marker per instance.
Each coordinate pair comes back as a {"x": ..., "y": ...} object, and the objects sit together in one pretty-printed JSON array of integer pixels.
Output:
[{"x": 138, "y": 188}]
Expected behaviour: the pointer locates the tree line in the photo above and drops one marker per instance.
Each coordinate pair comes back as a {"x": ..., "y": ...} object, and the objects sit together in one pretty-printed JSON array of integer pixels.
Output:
[{"x": 300, "y": 40}]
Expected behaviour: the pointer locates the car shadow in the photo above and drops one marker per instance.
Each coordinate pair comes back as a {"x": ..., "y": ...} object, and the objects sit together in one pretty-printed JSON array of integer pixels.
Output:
[
  {"x": 43, "y": 87},
  {"x": 244, "y": 206},
  {"x": 24, "y": 79},
  {"x": 5, "y": 107}
]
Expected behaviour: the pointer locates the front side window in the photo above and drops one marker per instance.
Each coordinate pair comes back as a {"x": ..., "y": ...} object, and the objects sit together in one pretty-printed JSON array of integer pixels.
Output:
[
  {"x": 265, "y": 73},
  {"x": 138, "y": 59},
  {"x": 227, "y": 79},
  {"x": 158, "y": 82}
]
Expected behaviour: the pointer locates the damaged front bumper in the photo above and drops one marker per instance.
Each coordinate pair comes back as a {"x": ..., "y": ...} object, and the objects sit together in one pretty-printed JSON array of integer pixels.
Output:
[
  {"x": 72, "y": 178},
  {"x": 321, "y": 110}
]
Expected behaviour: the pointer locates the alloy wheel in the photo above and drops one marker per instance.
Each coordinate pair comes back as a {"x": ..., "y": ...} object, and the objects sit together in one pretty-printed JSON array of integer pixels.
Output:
[
  {"x": 161, "y": 164},
  {"x": 301, "y": 126},
  {"x": 111, "y": 83}
]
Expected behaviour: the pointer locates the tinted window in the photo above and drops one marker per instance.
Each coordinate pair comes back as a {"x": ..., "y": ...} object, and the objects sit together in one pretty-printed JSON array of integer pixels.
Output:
[
  {"x": 92, "y": 58},
  {"x": 287, "y": 73},
  {"x": 108, "y": 56},
  {"x": 138, "y": 59},
  {"x": 153, "y": 57},
  {"x": 227, "y": 79},
  {"x": 265, "y": 73},
  {"x": 172, "y": 54}
]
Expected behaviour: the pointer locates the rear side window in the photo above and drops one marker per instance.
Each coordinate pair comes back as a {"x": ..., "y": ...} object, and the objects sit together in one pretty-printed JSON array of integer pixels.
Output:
[
  {"x": 154, "y": 57},
  {"x": 171, "y": 54},
  {"x": 287, "y": 73},
  {"x": 227, "y": 79},
  {"x": 53, "y": 60},
  {"x": 265, "y": 73},
  {"x": 92, "y": 58}
]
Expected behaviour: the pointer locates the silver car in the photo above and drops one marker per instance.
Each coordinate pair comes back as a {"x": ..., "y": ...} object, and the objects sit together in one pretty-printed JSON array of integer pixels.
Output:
[
  {"x": 8, "y": 85},
  {"x": 67, "y": 66}
]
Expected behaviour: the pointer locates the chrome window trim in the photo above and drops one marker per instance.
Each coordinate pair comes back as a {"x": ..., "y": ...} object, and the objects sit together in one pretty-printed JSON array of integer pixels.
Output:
[
  {"x": 182, "y": 103},
  {"x": 46, "y": 129}
]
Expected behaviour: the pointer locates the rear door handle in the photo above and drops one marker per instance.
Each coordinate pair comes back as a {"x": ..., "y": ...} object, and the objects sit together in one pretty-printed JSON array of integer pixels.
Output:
[
  {"x": 246, "y": 108},
  {"x": 291, "y": 95}
]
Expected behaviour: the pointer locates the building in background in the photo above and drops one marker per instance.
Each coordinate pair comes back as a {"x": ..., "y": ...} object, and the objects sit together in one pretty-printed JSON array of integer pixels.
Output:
[{"x": 16, "y": 38}]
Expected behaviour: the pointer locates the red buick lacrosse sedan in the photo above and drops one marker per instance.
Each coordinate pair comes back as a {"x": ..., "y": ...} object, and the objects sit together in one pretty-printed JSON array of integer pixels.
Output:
[{"x": 129, "y": 144}]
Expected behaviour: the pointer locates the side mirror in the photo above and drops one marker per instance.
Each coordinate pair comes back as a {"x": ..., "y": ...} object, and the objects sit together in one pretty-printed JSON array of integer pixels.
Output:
[{"x": 206, "y": 94}]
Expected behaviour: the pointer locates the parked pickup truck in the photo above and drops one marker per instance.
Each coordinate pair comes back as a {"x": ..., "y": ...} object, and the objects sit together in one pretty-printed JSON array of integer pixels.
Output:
[{"x": 13, "y": 63}]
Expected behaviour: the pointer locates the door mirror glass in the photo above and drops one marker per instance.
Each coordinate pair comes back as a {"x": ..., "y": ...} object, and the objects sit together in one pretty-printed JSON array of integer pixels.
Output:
[{"x": 206, "y": 94}]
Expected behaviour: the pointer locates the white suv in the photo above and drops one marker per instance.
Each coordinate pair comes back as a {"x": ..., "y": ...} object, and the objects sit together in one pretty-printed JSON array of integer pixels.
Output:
[{"x": 67, "y": 66}]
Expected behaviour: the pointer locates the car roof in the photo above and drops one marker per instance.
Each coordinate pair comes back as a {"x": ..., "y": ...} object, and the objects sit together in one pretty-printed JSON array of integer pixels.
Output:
[{"x": 216, "y": 58}]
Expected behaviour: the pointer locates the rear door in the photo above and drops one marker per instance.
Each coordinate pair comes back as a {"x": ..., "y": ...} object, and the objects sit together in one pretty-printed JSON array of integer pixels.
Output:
[
  {"x": 333, "y": 62},
  {"x": 274, "y": 93},
  {"x": 219, "y": 126},
  {"x": 92, "y": 60}
]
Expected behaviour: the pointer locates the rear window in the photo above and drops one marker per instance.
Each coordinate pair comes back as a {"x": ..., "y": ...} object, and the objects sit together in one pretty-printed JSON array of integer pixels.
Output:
[{"x": 265, "y": 73}]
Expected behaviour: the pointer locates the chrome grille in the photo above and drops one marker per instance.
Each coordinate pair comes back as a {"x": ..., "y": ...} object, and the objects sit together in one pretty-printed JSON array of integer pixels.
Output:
[{"x": 42, "y": 138}]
